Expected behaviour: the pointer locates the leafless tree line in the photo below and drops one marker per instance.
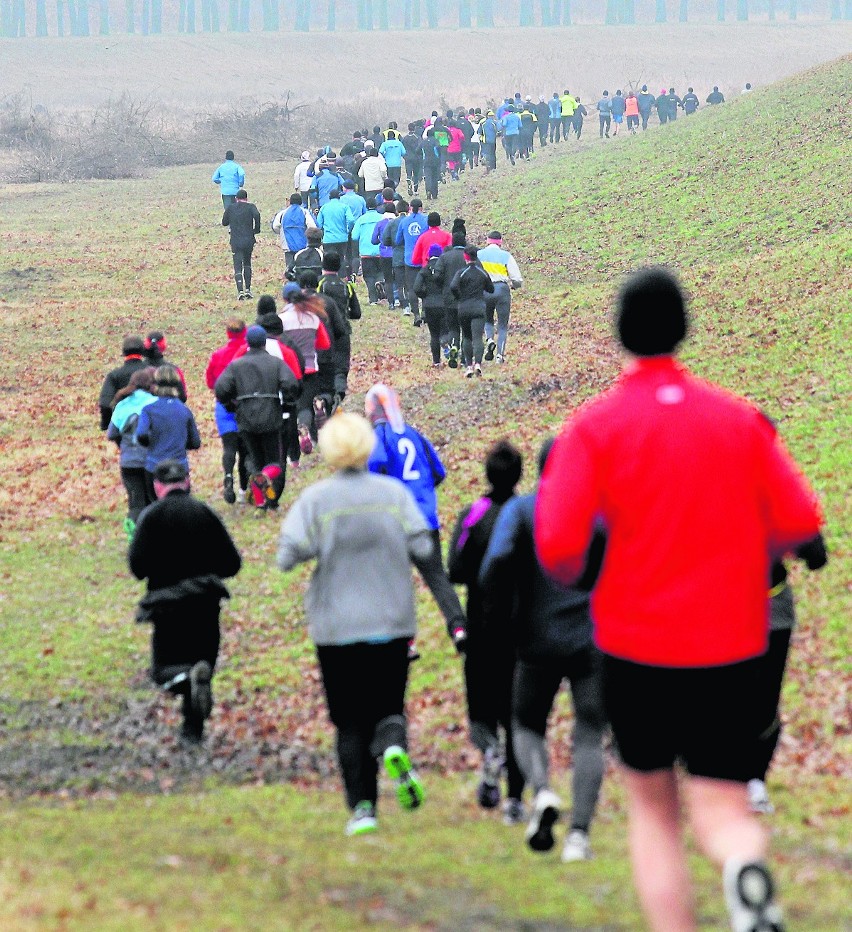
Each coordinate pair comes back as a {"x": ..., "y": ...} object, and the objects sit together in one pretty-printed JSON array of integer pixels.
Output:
[{"x": 82, "y": 17}]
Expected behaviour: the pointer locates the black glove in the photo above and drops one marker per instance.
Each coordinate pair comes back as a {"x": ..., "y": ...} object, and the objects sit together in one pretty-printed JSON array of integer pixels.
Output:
[
  {"x": 458, "y": 636},
  {"x": 813, "y": 553}
]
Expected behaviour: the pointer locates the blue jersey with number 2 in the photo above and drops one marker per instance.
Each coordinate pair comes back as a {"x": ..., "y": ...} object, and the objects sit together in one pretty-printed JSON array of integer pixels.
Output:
[{"x": 410, "y": 458}]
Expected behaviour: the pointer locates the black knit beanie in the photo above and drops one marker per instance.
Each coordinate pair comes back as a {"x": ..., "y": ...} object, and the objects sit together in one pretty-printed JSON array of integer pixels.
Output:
[{"x": 651, "y": 315}]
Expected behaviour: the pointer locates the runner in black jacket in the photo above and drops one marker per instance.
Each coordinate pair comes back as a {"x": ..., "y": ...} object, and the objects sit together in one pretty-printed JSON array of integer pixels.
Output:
[
  {"x": 257, "y": 386},
  {"x": 430, "y": 290},
  {"x": 243, "y": 219},
  {"x": 489, "y": 653},
  {"x": 451, "y": 261},
  {"x": 183, "y": 550},
  {"x": 469, "y": 287},
  {"x": 552, "y": 628},
  {"x": 133, "y": 350}
]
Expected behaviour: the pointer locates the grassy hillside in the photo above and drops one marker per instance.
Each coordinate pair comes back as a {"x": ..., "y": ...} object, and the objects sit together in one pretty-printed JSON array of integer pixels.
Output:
[{"x": 747, "y": 201}]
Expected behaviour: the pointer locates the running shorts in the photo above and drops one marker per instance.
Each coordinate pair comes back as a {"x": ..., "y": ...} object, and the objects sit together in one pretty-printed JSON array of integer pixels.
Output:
[{"x": 704, "y": 718}]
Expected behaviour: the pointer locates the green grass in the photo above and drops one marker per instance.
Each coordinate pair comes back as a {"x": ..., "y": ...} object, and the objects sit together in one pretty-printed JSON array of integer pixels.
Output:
[
  {"x": 276, "y": 858},
  {"x": 745, "y": 201}
]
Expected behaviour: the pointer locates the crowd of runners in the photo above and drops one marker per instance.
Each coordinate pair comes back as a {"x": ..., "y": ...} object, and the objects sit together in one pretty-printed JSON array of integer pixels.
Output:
[{"x": 646, "y": 571}]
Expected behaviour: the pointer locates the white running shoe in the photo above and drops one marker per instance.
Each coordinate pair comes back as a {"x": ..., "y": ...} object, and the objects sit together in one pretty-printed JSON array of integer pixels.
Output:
[
  {"x": 577, "y": 847},
  {"x": 758, "y": 798},
  {"x": 363, "y": 820},
  {"x": 750, "y": 896},
  {"x": 514, "y": 812},
  {"x": 545, "y": 815}
]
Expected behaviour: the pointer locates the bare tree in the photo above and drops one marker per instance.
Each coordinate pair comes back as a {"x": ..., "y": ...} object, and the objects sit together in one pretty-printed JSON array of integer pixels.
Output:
[
  {"x": 210, "y": 15},
  {"x": 186, "y": 16},
  {"x": 303, "y": 16},
  {"x": 485, "y": 14},
  {"x": 411, "y": 17},
  {"x": 13, "y": 19},
  {"x": 271, "y": 16},
  {"x": 620, "y": 11}
]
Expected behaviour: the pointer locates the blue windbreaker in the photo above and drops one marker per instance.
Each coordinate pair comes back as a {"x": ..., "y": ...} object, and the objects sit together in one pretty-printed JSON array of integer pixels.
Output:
[
  {"x": 167, "y": 428},
  {"x": 324, "y": 183},
  {"x": 336, "y": 221},
  {"x": 294, "y": 227},
  {"x": 230, "y": 177},
  {"x": 355, "y": 203},
  {"x": 410, "y": 458},
  {"x": 511, "y": 124},
  {"x": 408, "y": 232},
  {"x": 490, "y": 130},
  {"x": 392, "y": 151},
  {"x": 555, "y": 107}
]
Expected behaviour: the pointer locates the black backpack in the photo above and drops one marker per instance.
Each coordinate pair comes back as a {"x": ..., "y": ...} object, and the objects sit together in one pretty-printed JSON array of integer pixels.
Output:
[{"x": 343, "y": 295}]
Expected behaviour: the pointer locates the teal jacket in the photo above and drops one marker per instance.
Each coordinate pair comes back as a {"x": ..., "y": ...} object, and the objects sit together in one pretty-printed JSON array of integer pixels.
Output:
[
  {"x": 362, "y": 232},
  {"x": 336, "y": 221}
]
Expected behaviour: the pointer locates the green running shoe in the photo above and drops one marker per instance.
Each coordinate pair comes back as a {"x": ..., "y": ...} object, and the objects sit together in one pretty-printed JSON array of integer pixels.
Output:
[
  {"x": 363, "y": 820},
  {"x": 129, "y": 529},
  {"x": 409, "y": 789}
]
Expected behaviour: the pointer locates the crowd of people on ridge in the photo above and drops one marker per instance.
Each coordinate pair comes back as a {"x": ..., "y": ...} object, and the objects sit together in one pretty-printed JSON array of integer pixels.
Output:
[{"x": 587, "y": 580}]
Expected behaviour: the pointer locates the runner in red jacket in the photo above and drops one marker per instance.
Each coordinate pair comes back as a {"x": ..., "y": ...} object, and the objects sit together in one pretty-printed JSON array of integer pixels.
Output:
[
  {"x": 697, "y": 495},
  {"x": 434, "y": 234},
  {"x": 226, "y": 422}
]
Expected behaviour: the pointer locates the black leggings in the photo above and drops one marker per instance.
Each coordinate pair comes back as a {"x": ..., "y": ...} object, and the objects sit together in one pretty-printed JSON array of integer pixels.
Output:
[
  {"x": 365, "y": 691},
  {"x": 231, "y": 446},
  {"x": 535, "y": 688},
  {"x": 450, "y": 334},
  {"x": 472, "y": 321},
  {"x": 242, "y": 267},
  {"x": 435, "y": 323},
  {"x": 264, "y": 450},
  {"x": 767, "y": 695},
  {"x": 137, "y": 491},
  {"x": 388, "y": 276},
  {"x": 488, "y": 673}
]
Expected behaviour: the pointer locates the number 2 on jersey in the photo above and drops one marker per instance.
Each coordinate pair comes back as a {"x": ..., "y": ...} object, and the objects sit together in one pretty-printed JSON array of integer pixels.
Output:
[{"x": 409, "y": 451}]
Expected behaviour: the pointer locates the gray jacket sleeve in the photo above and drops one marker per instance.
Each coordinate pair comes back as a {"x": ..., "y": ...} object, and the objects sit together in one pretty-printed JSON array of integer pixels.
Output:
[{"x": 298, "y": 541}]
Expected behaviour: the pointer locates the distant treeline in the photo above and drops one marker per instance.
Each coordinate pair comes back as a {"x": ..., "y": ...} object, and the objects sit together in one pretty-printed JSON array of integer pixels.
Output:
[{"x": 151, "y": 17}]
